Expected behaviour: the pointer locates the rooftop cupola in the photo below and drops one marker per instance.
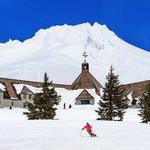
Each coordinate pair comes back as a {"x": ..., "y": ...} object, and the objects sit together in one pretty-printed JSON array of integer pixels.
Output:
[{"x": 85, "y": 65}]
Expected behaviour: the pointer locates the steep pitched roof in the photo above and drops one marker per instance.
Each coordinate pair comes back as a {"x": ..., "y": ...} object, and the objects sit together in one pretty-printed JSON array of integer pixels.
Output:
[
  {"x": 86, "y": 81},
  {"x": 11, "y": 90},
  {"x": 25, "y": 90},
  {"x": 84, "y": 95}
]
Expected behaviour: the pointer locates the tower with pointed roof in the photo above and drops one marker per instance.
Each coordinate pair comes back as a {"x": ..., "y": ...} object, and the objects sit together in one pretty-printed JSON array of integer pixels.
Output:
[
  {"x": 86, "y": 80},
  {"x": 85, "y": 65}
]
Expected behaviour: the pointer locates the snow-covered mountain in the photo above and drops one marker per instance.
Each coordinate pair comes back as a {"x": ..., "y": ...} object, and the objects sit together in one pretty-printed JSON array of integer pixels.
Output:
[{"x": 58, "y": 51}]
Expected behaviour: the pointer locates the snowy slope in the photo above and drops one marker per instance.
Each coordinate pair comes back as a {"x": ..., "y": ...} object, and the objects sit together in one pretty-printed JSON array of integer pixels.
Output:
[
  {"x": 65, "y": 134},
  {"x": 58, "y": 51}
]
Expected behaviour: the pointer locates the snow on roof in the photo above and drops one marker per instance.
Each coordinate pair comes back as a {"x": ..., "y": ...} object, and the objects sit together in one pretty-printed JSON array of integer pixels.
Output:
[
  {"x": 92, "y": 92},
  {"x": 129, "y": 96},
  {"x": 138, "y": 99},
  {"x": 19, "y": 88},
  {"x": 13, "y": 98},
  {"x": 68, "y": 96},
  {"x": 2, "y": 87},
  {"x": 101, "y": 91}
]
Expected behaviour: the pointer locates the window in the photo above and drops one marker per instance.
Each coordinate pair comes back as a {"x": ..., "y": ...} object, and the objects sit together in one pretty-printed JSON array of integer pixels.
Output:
[
  {"x": 85, "y": 102},
  {"x": 30, "y": 96}
]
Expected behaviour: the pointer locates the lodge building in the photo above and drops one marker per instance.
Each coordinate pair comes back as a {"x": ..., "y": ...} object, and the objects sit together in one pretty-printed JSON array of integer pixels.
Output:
[{"x": 11, "y": 96}]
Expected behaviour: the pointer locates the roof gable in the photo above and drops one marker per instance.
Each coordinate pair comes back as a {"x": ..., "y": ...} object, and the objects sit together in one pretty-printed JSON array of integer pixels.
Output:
[
  {"x": 25, "y": 90},
  {"x": 86, "y": 81},
  {"x": 84, "y": 95}
]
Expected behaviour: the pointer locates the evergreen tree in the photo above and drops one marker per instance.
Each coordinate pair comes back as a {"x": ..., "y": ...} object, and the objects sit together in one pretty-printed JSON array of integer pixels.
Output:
[
  {"x": 112, "y": 103},
  {"x": 145, "y": 106},
  {"x": 43, "y": 106}
]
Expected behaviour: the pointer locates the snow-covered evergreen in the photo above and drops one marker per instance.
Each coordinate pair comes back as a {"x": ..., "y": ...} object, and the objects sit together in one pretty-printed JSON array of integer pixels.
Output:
[
  {"x": 145, "y": 106},
  {"x": 44, "y": 103},
  {"x": 112, "y": 103}
]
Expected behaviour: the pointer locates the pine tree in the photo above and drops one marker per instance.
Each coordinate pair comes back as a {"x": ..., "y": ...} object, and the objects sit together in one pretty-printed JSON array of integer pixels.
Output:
[
  {"x": 145, "y": 106},
  {"x": 112, "y": 103},
  {"x": 43, "y": 106}
]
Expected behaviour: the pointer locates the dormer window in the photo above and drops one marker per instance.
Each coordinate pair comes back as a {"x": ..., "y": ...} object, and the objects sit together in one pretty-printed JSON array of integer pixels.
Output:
[
  {"x": 27, "y": 94},
  {"x": 30, "y": 96}
]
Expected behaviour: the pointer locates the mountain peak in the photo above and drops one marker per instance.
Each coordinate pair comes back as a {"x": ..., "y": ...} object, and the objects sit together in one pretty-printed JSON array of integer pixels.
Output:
[{"x": 59, "y": 49}]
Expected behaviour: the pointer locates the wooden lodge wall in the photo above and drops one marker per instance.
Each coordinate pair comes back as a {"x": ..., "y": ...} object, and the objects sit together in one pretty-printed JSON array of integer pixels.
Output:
[{"x": 136, "y": 88}]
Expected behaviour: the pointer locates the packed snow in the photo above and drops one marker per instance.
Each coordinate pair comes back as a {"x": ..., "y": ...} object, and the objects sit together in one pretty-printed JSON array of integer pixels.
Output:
[
  {"x": 64, "y": 133},
  {"x": 58, "y": 51}
]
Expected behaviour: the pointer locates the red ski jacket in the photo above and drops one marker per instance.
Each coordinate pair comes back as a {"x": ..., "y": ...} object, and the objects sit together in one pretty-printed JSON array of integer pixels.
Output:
[{"x": 88, "y": 127}]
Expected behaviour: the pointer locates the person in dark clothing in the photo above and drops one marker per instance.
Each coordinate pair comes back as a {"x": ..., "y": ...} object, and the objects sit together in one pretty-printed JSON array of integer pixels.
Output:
[
  {"x": 64, "y": 105},
  {"x": 70, "y": 105}
]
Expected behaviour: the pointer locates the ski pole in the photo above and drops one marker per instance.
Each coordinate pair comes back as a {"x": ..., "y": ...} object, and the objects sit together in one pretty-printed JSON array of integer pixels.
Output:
[{"x": 81, "y": 133}]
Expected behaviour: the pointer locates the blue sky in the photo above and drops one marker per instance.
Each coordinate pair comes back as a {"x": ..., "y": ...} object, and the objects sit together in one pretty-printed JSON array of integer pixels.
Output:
[{"x": 129, "y": 19}]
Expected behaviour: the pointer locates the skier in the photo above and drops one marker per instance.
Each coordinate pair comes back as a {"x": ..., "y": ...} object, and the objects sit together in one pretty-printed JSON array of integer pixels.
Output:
[{"x": 88, "y": 128}]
